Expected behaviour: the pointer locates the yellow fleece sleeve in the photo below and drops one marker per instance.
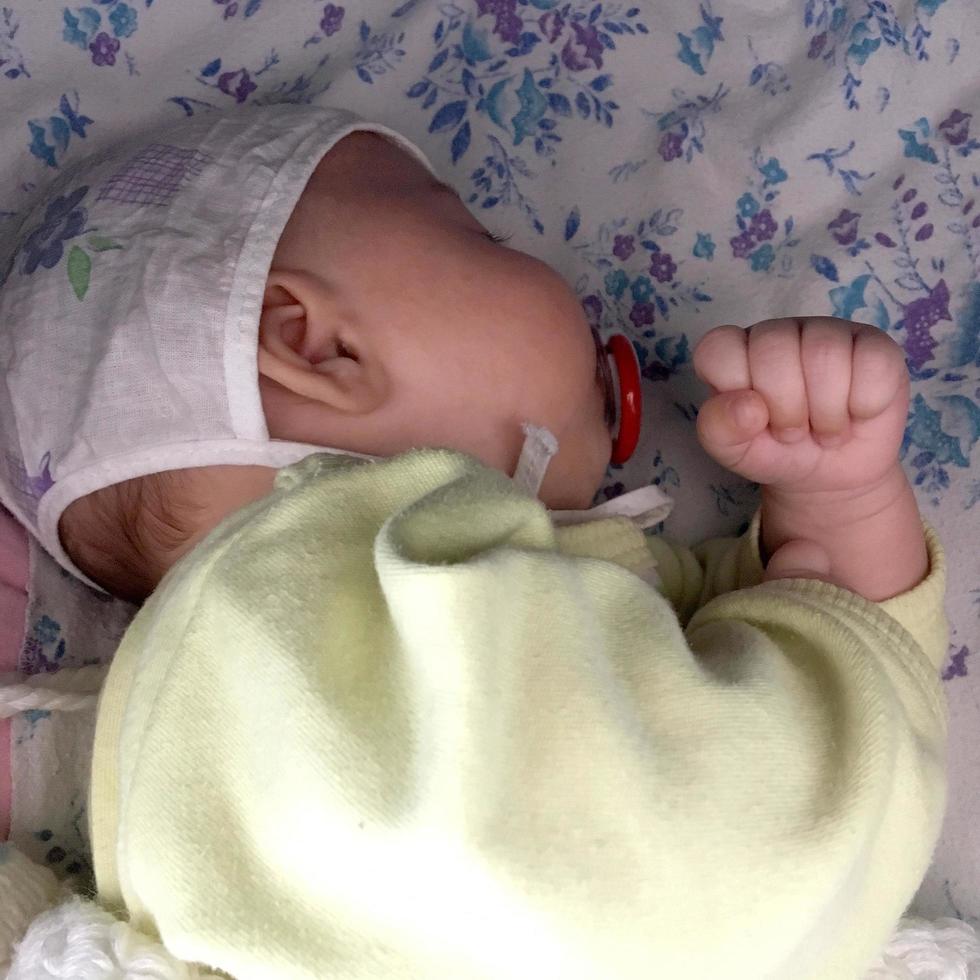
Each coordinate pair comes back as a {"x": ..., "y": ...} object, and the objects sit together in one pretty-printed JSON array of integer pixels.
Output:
[
  {"x": 690, "y": 577},
  {"x": 386, "y": 723}
]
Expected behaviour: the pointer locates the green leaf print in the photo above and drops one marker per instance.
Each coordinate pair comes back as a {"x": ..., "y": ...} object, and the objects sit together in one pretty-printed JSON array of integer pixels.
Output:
[{"x": 79, "y": 271}]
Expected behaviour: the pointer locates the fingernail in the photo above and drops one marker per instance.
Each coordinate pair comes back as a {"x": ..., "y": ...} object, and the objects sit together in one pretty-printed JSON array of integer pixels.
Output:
[{"x": 791, "y": 435}]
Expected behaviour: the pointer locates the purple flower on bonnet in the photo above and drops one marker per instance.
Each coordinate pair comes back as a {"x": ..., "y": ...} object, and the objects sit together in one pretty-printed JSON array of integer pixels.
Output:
[{"x": 63, "y": 219}]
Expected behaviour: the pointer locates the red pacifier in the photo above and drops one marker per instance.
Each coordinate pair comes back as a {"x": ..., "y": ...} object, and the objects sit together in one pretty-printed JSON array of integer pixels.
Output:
[{"x": 619, "y": 371}]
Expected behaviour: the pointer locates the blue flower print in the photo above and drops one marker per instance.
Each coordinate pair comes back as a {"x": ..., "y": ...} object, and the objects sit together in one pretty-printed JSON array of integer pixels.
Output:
[
  {"x": 12, "y": 63},
  {"x": 123, "y": 20},
  {"x": 617, "y": 251},
  {"x": 80, "y": 26},
  {"x": 698, "y": 47},
  {"x": 916, "y": 150},
  {"x": 762, "y": 258},
  {"x": 63, "y": 219},
  {"x": 616, "y": 283},
  {"x": 100, "y": 29},
  {"x": 747, "y": 205},
  {"x": 51, "y": 137},
  {"x": 533, "y": 106},
  {"x": 528, "y": 65},
  {"x": 862, "y": 45},
  {"x": 44, "y": 647},
  {"x": 848, "y": 299},
  {"x": 772, "y": 172},
  {"x": 704, "y": 247},
  {"x": 642, "y": 289}
]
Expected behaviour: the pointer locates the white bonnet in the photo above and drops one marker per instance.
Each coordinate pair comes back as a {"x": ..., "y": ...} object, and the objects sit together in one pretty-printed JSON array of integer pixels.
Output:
[{"x": 129, "y": 307}]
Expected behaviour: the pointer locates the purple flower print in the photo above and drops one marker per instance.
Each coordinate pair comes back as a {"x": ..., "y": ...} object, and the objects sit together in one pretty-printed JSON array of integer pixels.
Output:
[
  {"x": 32, "y": 487},
  {"x": 671, "y": 145},
  {"x": 844, "y": 227},
  {"x": 921, "y": 315},
  {"x": 592, "y": 306},
  {"x": 507, "y": 24},
  {"x": 585, "y": 47},
  {"x": 817, "y": 43},
  {"x": 104, "y": 49},
  {"x": 642, "y": 314},
  {"x": 623, "y": 247},
  {"x": 333, "y": 19},
  {"x": 38, "y": 486},
  {"x": 63, "y": 219},
  {"x": 762, "y": 226},
  {"x": 662, "y": 266},
  {"x": 955, "y": 128},
  {"x": 237, "y": 83},
  {"x": 552, "y": 24},
  {"x": 742, "y": 245}
]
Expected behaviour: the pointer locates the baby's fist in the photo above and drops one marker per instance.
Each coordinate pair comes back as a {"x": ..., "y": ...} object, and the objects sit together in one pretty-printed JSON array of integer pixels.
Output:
[{"x": 804, "y": 404}]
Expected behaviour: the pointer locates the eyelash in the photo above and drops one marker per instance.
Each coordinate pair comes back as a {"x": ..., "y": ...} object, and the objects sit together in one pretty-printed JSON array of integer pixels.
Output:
[{"x": 498, "y": 239}]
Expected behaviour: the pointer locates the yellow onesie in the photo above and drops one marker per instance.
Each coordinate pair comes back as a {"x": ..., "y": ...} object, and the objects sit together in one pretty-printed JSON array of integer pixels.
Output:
[{"x": 391, "y": 723}]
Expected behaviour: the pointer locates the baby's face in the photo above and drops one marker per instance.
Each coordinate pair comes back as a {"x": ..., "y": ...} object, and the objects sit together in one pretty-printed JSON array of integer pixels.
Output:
[{"x": 469, "y": 337}]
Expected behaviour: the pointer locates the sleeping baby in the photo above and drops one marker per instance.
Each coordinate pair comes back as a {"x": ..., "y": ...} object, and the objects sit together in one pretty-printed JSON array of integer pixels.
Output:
[{"x": 397, "y": 702}]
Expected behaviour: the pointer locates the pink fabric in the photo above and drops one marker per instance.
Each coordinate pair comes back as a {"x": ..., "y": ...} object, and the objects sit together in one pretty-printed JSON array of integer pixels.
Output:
[{"x": 13, "y": 607}]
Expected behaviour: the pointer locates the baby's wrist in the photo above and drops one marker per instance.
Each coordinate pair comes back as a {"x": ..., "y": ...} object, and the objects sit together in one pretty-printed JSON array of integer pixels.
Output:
[
  {"x": 873, "y": 534},
  {"x": 835, "y": 510}
]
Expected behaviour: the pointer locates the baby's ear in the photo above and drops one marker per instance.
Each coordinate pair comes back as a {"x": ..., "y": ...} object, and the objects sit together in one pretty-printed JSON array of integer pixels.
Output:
[{"x": 307, "y": 346}]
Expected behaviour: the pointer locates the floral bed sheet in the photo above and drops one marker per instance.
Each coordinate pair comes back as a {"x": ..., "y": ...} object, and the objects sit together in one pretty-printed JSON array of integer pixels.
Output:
[{"x": 682, "y": 164}]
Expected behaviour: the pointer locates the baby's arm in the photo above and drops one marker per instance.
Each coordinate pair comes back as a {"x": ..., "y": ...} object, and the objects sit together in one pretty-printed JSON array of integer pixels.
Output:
[{"x": 814, "y": 410}]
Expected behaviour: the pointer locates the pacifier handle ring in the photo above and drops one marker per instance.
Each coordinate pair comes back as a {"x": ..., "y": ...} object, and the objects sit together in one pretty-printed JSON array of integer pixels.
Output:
[{"x": 630, "y": 399}]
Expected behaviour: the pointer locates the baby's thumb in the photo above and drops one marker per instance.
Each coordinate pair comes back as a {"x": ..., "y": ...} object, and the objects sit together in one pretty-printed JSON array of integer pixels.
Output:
[
  {"x": 799, "y": 559},
  {"x": 728, "y": 422}
]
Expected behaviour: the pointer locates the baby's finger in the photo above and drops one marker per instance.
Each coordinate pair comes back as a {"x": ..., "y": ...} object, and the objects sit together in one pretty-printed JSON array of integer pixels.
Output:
[
  {"x": 826, "y": 349},
  {"x": 727, "y": 424},
  {"x": 878, "y": 373},
  {"x": 721, "y": 359},
  {"x": 777, "y": 374}
]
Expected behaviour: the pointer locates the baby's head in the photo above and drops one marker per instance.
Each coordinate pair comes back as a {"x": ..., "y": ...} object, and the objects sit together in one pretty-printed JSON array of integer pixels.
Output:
[{"x": 391, "y": 319}]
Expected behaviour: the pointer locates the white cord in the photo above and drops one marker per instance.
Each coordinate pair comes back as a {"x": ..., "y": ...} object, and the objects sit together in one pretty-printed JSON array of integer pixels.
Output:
[{"x": 69, "y": 689}]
